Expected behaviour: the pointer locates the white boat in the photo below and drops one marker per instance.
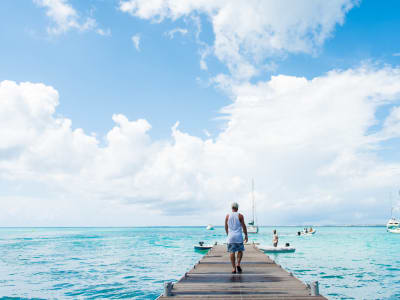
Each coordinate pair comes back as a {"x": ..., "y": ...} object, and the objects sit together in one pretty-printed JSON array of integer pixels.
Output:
[
  {"x": 304, "y": 232},
  {"x": 202, "y": 246},
  {"x": 252, "y": 227},
  {"x": 280, "y": 249},
  {"x": 210, "y": 227},
  {"x": 393, "y": 225}
]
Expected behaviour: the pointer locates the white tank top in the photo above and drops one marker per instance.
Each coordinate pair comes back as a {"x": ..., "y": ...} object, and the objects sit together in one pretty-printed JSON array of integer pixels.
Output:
[{"x": 234, "y": 229}]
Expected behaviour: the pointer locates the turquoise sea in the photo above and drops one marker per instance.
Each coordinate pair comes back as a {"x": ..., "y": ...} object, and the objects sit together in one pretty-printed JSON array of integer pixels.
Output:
[{"x": 116, "y": 263}]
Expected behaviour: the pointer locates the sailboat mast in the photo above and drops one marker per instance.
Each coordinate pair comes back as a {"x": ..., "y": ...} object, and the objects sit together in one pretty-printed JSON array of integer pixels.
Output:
[
  {"x": 391, "y": 205},
  {"x": 252, "y": 195}
]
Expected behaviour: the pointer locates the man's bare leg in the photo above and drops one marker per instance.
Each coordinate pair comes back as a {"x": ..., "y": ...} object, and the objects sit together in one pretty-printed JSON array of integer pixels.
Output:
[
  {"x": 239, "y": 258},
  {"x": 232, "y": 255}
]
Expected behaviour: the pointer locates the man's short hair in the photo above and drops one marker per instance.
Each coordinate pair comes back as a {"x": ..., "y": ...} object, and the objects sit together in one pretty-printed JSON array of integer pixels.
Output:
[{"x": 235, "y": 205}]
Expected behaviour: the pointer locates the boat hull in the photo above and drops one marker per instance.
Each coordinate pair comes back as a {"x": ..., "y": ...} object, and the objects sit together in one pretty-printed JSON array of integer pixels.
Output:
[
  {"x": 303, "y": 233},
  {"x": 204, "y": 247},
  {"x": 271, "y": 249},
  {"x": 393, "y": 225},
  {"x": 252, "y": 229},
  {"x": 308, "y": 233}
]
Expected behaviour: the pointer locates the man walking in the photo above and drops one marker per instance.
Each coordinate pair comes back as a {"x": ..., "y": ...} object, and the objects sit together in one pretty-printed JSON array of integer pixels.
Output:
[{"x": 234, "y": 223}]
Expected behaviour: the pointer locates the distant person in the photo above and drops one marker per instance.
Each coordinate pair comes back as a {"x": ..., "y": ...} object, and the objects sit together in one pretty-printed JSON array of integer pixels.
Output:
[
  {"x": 311, "y": 230},
  {"x": 234, "y": 223},
  {"x": 275, "y": 239},
  {"x": 305, "y": 230},
  {"x": 298, "y": 233}
]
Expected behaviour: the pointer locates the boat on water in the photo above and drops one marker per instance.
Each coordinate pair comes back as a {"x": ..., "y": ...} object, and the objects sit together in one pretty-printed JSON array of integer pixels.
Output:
[
  {"x": 209, "y": 227},
  {"x": 202, "y": 246},
  {"x": 252, "y": 227},
  {"x": 306, "y": 231},
  {"x": 280, "y": 249},
  {"x": 393, "y": 225}
]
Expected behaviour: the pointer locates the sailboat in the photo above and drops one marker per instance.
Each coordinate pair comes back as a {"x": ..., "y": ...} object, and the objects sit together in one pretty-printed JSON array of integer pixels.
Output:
[
  {"x": 252, "y": 227},
  {"x": 393, "y": 225}
]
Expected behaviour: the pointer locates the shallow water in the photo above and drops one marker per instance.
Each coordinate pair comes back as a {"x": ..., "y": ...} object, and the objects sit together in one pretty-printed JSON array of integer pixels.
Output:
[{"x": 349, "y": 262}]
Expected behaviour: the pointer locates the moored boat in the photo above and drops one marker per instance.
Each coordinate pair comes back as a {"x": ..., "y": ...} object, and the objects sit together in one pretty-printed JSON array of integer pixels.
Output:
[
  {"x": 393, "y": 225},
  {"x": 311, "y": 231},
  {"x": 202, "y": 246},
  {"x": 308, "y": 233},
  {"x": 280, "y": 249}
]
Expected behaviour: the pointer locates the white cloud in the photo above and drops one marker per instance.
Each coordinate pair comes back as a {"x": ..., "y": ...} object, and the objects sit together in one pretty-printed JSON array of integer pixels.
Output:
[
  {"x": 103, "y": 32},
  {"x": 65, "y": 17},
  {"x": 136, "y": 41},
  {"x": 396, "y": 54},
  {"x": 249, "y": 31},
  {"x": 171, "y": 33},
  {"x": 306, "y": 143}
]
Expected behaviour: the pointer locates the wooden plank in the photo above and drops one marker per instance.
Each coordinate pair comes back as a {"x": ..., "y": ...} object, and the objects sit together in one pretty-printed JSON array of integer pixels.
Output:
[{"x": 262, "y": 278}]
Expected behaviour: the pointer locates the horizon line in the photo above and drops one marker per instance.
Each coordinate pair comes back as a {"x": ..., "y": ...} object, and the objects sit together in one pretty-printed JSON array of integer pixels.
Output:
[{"x": 198, "y": 226}]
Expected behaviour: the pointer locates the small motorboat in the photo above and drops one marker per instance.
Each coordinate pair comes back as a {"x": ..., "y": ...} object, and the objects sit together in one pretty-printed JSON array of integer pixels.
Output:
[
  {"x": 306, "y": 233},
  {"x": 202, "y": 246},
  {"x": 281, "y": 249},
  {"x": 209, "y": 227}
]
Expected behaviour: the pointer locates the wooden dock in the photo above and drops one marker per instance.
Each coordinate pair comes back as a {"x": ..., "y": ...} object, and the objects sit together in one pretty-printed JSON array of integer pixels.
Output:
[{"x": 262, "y": 278}]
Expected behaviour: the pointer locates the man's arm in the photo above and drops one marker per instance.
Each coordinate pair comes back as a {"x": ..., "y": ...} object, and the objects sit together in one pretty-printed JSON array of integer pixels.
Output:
[
  {"x": 241, "y": 219},
  {"x": 226, "y": 224}
]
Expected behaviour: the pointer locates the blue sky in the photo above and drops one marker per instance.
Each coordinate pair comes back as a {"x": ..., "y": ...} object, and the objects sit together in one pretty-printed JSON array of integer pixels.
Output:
[
  {"x": 349, "y": 51},
  {"x": 100, "y": 75}
]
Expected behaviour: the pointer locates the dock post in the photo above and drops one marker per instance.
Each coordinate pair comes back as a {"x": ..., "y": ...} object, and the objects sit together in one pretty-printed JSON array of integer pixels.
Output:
[
  {"x": 314, "y": 288},
  {"x": 167, "y": 289}
]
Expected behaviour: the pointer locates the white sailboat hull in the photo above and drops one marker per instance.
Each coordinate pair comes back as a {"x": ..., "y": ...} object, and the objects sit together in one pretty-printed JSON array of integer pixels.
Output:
[
  {"x": 252, "y": 229},
  {"x": 393, "y": 226}
]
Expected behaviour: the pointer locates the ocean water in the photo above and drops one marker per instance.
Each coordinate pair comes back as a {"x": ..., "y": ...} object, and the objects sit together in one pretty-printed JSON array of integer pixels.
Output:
[{"x": 116, "y": 263}]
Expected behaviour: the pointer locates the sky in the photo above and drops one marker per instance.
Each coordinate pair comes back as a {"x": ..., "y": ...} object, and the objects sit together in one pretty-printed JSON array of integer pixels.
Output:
[{"x": 161, "y": 112}]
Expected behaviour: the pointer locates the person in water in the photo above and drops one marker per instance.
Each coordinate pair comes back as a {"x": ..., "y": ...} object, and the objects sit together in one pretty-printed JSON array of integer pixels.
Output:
[
  {"x": 275, "y": 239},
  {"x": 234, "y": 224}
]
